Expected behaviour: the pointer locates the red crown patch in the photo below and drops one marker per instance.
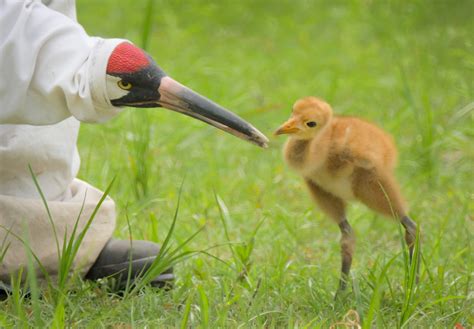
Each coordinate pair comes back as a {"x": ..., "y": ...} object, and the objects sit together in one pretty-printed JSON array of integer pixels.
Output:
[{"x": 126, "y": 58}]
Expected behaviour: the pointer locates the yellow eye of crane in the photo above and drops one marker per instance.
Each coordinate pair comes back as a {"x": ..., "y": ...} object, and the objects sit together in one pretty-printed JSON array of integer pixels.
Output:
[{"x": 124, "y": 85}]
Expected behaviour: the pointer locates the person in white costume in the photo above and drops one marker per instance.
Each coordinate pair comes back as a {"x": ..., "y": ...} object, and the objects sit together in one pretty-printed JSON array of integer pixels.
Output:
[{"x": 57, "y": 77}]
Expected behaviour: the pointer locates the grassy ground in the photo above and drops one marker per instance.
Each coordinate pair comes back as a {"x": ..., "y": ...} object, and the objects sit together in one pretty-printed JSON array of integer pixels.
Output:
[{"x": 408, "y": 67}]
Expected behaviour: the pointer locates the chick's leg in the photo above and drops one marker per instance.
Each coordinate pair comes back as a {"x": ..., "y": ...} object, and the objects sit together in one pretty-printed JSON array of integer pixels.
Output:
[
  {"x": 410, "y": 233},
  {"x": 335, "y": 208},
  {"x": 347, "y": 250},
  {"x": 410, "y": 238},
  {"x": 380, "y": 192}
]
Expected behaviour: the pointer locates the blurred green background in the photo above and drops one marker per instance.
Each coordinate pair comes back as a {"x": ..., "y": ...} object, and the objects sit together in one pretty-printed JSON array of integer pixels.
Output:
[{"x": 405, "y": 65}]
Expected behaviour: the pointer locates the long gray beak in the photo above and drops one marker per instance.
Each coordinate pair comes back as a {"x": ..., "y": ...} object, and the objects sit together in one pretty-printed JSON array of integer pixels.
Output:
[{"x": 176, "y": 97}]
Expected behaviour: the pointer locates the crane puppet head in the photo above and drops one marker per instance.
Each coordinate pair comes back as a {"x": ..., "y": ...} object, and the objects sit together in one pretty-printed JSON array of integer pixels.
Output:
[{"x": 134, "y": 79}]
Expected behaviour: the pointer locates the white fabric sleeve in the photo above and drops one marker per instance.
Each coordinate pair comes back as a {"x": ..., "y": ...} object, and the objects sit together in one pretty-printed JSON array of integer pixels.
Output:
[{"x": 50, "y": 68}]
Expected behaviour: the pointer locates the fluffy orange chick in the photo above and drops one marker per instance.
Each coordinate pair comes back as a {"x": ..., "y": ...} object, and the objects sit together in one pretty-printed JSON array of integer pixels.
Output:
[{"x": 343, "y": 159}]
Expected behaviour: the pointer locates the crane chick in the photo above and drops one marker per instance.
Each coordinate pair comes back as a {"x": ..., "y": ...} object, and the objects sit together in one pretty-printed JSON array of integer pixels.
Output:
[{"x": 343, "y": 159}]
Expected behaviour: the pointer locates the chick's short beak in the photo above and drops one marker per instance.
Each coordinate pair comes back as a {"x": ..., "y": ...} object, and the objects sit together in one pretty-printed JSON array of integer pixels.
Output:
[
  {"x": 176, "y": 97},
  {"x": 289, "y": 127}
]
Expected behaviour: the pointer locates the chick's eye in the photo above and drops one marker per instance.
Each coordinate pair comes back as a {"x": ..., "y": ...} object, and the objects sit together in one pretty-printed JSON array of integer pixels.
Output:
[
  {"x": 124, "y": 85},
  {"x": 311, "y": 124}
]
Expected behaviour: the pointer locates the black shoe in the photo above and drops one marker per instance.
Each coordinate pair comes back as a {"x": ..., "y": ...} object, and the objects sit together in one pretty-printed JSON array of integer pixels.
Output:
[
  {"x": 114, "y": 262},
  {"x": 5, "y": 291}
]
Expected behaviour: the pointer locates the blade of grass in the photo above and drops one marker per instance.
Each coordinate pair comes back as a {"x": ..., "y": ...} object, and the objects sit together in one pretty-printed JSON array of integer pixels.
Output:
[
  {"x": 129, "y": 274},
  {"x": 167, "y": 257},
  {"x": 225, "y": 218},
  {"x": 66, "y": 259},
  {"x": 17, "y": 298},
  {"x": 358, "y": 296},
  {"x": 187, "y": 311},
  {"x": 147, "y": 24},
  {"x": 409, "y": 304},
  {"x": 33, "y": 283},
  {"x": 72, "y": 247},
  {"x": 45, "y": 203},
  {"x": 5, "y": 245},
  {"x": 204, "y": 303},
  {"x": 374, "y": 306}
]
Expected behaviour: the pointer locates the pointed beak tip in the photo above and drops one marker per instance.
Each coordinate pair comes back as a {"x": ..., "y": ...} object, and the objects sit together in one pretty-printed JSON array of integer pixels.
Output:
[
  {"x": 280, "y": 131},
  {"x": 286, "y": 128},
  {"x": 177, "y": 97},
  {"x": 260, "y": 139}
]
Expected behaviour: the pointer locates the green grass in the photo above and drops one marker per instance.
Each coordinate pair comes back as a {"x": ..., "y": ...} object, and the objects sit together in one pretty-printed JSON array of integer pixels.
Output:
[{"x": 271, "y": 258}]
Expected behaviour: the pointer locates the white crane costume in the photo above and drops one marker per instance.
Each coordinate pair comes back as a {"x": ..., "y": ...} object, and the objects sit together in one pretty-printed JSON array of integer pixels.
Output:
[{"x": 58, "y": 76}]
